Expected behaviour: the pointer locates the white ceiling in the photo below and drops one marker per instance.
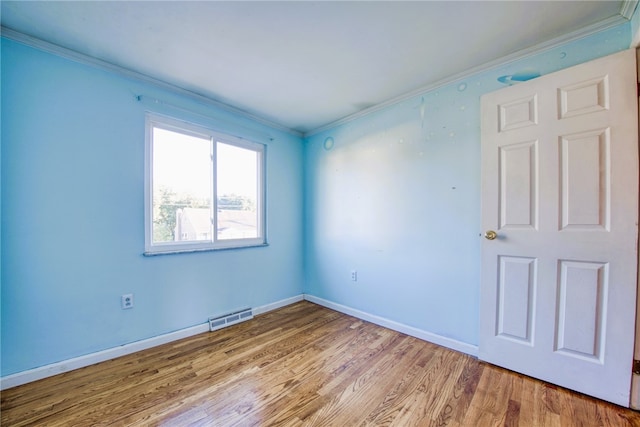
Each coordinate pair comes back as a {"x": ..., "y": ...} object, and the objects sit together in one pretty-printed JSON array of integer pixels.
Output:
[{"x": 305, "y": 64}]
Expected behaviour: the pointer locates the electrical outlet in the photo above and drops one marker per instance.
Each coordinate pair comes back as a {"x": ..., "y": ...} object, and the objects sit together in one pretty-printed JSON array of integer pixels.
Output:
[
  {"x": 354, "y": 275},
  {"x": 126, "y": 301}
]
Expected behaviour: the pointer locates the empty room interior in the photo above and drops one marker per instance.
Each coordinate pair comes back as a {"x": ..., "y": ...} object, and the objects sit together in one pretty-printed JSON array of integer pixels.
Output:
[{"x": 319, "y": 213}]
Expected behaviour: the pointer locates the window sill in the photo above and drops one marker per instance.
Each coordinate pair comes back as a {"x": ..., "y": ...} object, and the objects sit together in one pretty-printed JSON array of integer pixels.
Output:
[{"x": 194, "y": 250}]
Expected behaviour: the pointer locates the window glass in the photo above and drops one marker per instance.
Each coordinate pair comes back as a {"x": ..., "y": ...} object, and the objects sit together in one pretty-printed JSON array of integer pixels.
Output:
[
  {"x": 237, "y": 192},
  {"x": 181, "y": 187},
  {"x": 204, "y": 189}
]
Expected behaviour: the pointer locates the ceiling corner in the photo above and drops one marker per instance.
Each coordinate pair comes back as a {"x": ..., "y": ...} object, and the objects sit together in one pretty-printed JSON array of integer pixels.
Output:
[{"x": 627, "y": 8}]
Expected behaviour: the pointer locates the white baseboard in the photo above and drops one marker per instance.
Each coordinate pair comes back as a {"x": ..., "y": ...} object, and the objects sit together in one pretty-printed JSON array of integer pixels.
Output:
[
  {"x": 278, "y": 304},
  {"x": 405, "y": 329},
  {"x": 39, "y": 373}
]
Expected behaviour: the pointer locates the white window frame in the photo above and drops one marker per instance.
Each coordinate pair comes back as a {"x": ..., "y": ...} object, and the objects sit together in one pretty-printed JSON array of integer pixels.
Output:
[{"x": 153, "y": 120}]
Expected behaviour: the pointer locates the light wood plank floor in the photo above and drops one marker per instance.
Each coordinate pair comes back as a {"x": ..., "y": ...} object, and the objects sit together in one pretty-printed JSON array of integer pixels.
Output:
[{"x": 302, "y": 365}]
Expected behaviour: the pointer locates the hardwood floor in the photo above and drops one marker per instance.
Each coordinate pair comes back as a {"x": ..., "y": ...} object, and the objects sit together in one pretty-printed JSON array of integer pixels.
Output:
[{"x": 302, "y": 365}]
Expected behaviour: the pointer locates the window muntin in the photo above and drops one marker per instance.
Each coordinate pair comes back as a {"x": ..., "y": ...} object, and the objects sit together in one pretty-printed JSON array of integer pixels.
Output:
[{"x": 204, "y": 189}]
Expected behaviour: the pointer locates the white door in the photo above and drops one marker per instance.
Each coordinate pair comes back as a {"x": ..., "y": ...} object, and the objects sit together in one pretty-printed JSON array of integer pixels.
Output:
[{"x": 560, "y": 190}]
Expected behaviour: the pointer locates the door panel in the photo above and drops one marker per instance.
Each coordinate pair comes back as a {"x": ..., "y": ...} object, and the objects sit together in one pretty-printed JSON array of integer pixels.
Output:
[
  {"x": 560, "y": 188},
  {"x": 581, "y": 301},
  {"x": 585, "y": 179},
  {"x": 518, "y": 113},
  {"x": 585, "y": 97},
  {"x": 518, "y": 184},
  {"x": 517, "y": 282}
]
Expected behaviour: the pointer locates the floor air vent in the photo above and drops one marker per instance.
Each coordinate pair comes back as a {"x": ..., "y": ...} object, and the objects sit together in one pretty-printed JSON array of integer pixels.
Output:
[{"x": 225, "y": 320}]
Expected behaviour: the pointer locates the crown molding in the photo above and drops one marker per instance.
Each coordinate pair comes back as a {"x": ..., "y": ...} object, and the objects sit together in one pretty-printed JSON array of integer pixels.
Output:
[
  {"x": 626, "y": 11},
  {"x": 125, "y": 72},
  {"x": 524, "y": 53},
  {"x": 627, "y": 8}
]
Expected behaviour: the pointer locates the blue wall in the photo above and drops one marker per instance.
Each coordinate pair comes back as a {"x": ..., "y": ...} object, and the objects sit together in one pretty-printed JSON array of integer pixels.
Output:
[
  {"x": 635, "y": 27},
  {"x": 397, "y": 198},
  {"x": 73, "y": 217}
]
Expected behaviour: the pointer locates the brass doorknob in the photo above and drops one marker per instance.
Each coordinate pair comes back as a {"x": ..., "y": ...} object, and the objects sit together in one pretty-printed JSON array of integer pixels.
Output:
[{"x": 490, "y": 235}]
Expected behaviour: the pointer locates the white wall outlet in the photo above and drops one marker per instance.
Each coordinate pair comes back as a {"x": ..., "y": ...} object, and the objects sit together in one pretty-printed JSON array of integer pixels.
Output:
[
  {"x": 126, "y": 301},
  {"x": 354, "y": 275}
]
